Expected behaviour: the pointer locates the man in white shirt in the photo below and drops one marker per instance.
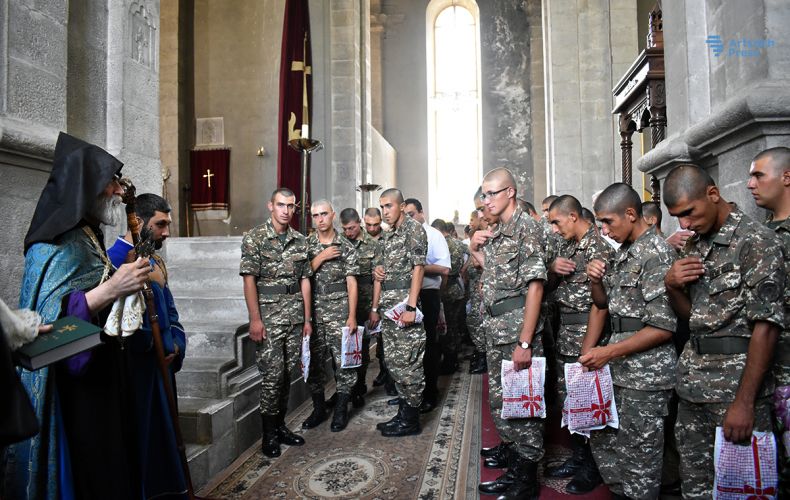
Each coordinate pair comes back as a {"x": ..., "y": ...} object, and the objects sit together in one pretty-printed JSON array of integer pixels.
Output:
[{"x": 437, "y": 268}]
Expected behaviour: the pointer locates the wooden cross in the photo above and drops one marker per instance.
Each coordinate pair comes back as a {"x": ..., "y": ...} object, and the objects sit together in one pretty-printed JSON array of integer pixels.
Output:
[{"x": 208, "y": 176}]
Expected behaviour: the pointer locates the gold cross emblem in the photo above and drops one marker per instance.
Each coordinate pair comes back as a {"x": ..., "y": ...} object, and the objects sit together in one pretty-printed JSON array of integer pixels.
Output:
[
  {"x": 67, "y": 328},
  {"x": 208, "y": 176}
]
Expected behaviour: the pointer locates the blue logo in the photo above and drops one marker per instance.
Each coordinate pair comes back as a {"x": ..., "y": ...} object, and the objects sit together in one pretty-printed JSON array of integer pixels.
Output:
[
  {"x": 738, "y": 47},
  {"x": 715, "y": 43}
]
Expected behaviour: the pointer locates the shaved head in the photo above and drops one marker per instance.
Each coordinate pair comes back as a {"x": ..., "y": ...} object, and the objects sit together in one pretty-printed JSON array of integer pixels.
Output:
[
  {"x": 617, "y": 198},
  {"x": 566, "y": 204},
  {"x": 778, "y": 158},
  {"x": 501, "y": 176},
  {"x": 686, "y": 182},
  {"x": 284, "y": 192},
  {"x": 322, "y": 203},
  {"x": 393, "y": 193}
]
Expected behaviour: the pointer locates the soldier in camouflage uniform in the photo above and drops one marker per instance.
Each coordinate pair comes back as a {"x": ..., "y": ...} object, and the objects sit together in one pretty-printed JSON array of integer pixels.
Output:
[
  {"x": 640, "y": 352},
  {"x": 728, "y": 282},
  {"x": 513, "y": 276},
  {"x": 568, "y": 279},
  {"x": 334, "y": 263},
  {"x": 452, "y": 299},
  {"x": 769, "y": 182},
  {"x": 472, "y": 271},
  {"x": 277, "y": 293},
  {"x": 366, "y": 248},
  {"x": 400, "y": 262}
]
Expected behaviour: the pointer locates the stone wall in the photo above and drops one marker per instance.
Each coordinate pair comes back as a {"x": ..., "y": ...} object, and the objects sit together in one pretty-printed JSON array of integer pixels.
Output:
[
  {"x": 722, "y": 110},
  {"x": 588, "y": 47},
  {"x": 70, "y": 67}
]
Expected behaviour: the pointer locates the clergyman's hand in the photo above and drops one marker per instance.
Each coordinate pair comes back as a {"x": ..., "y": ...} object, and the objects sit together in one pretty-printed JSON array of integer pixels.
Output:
[
  {"x": 44, "y": 328},
  {"x": 129, "y": 278}
]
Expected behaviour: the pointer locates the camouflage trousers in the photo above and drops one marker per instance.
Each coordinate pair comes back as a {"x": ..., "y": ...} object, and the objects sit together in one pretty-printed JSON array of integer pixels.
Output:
[
  {"x": 405, "y": 352},
  {"x": 277, "y": 357},
  {"x": 696, "y": 431},
  {"x": 525, "y": 433},
  {"x": 453, "y": 316},
  {"x": 325, "y": 345},
  {"x": 630, "y": 458},
  {"x": 474, "y": 323},
  {"x": 562, "y": 393}
]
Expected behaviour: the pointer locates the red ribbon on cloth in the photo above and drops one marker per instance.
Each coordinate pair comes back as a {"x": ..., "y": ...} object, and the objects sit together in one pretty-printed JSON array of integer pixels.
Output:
[
  {"x": 756, "y": 492},
  {"x": 602, "y": 410}
]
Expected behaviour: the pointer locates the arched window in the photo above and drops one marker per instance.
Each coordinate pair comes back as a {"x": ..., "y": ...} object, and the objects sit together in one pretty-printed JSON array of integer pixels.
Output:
[{"x": 454, "y": 108}]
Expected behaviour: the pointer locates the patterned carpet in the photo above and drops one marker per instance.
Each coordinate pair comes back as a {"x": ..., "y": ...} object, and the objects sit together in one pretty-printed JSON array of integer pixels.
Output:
[{"x": 359, "y": 463}]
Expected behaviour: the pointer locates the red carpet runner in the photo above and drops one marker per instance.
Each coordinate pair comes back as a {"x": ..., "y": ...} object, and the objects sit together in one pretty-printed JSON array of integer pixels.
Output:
[{"x": 556, "y": 439}]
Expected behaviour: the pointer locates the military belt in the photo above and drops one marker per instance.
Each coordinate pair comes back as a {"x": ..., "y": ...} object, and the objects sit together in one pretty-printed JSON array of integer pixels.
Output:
[
  {"x": 505, "y": 306},
  {"x": 279, "y": 289},
  {"x": 574, "y": 318},
  {"x": 365, "y": 280},
  {"x": 331, "y": 287},
  {"x": 782, "y": 353},
  {"x": 396, "y": 285},
  {"x": 720, "y": 345},
  {"x": 621, "y": 324}
]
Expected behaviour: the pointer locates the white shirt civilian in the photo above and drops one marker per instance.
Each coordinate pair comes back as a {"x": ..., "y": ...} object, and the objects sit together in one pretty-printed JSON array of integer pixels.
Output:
[{"x": 438, "y": 254}]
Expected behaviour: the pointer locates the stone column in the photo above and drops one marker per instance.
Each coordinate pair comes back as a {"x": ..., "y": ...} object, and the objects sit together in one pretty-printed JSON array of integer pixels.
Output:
[
  {"x": 505, "y": 43},
  {"x": 350, "y": 121},
  {"x": 627, "y": 128}
]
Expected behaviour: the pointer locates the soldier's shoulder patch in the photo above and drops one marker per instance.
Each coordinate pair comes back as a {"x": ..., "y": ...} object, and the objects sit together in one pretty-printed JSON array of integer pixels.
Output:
[{"x": 769, "y": 290}]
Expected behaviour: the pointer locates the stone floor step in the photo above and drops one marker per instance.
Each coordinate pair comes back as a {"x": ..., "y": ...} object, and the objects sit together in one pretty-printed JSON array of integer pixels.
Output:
[
  {"x": 211, "y": 308},
  {"x": 210, "y": 339},
  {"x": 202, "y": 377},
  {"x": 203, "y": 420},
  {"x": 202, "y": 250},
  {"x": 225, "y": 280}
]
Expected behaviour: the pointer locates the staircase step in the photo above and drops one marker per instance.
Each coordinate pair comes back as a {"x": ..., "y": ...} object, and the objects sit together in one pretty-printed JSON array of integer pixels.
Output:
[
  {"x": 202, "y": 377},
  {"x": 183, "y": 279},
  {"x": 211, "y": 307},
  {"x": 203, "y": 420},
  {"x": 210, "y": 339},
  {"x": 207, "y": 250}
]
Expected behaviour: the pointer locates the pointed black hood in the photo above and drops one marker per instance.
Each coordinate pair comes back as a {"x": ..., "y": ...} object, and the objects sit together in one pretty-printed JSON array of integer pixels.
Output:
[{"x": 79, "y": 174}]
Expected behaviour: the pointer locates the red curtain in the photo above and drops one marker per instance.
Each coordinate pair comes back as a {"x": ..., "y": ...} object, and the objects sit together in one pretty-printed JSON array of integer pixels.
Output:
[
  {"x": 210, "y": 183},
  {"x": 295, "y": 96}
]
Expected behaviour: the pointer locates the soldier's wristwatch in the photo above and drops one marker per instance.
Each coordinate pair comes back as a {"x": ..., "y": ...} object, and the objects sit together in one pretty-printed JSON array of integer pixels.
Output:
[
  {"x": 525, "y": 345},
  {"x": 374, "y": 309},
  {"x": 410, "y": 308}
]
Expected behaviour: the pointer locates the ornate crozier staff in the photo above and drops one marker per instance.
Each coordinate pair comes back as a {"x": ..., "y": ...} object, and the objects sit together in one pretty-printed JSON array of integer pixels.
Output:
[{"x": 145, "y": 250}]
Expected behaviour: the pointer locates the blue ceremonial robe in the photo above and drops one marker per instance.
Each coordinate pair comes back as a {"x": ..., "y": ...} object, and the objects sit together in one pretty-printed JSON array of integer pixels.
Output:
[
  {"x": 161, "y": 470},
  {"x": 85, "y": 446}
]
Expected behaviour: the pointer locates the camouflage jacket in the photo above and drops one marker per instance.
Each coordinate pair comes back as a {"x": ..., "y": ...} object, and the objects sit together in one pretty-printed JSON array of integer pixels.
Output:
[
  {"x": 275, "y": 263},
  {"x": 513, "y": 257},
  {"x": 331, "y": 306},
  {"x": 572, "y": 295},
  {"x": 782, "y": 358},
  {"x": 367, "y": 248},
  {"x": 401, "y": 249},
  {"x": 744, "y": 282},
  {"x": 458, "y": 250},
  {"x": 634, "y": 287}
]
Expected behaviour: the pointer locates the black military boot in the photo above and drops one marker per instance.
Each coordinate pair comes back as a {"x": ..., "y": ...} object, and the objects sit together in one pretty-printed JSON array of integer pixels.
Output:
[
  {"x": 284, "y": 434},
  {"x": 393, "y": 421},
  {"x": 340, "y": 418},
  {"x": 389, "y": 387},
  {"x": 503, "y": 482},
  {"x": 359, "y": 390},
  {"x": 381, "y": 377},
  {"x": 319, "y": 412},
  {"x": 407, "y": 425},
  {"x": 569, "y": 467},
  {"x": 490, "y": 452},
  {"x": 270, "y": 446},
  {"x": 526, "y": 485},
  {"x": 500, "y": 460},
  {"x": 587, "y": 476},
  {"x": 478, "y": 363}
]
